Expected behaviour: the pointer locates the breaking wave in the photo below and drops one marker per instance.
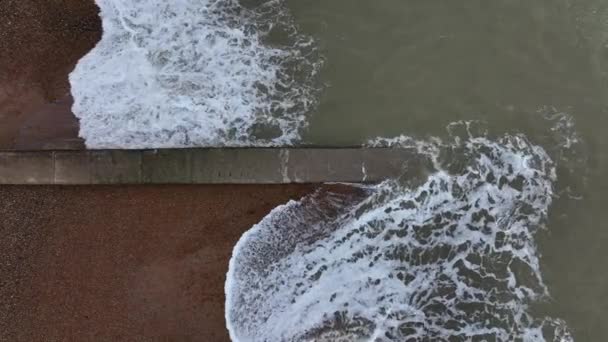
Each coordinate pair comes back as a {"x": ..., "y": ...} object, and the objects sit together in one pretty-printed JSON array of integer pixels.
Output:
[
  {"x": 446, "y": 256},
  {"x": 179, "y": 73}
]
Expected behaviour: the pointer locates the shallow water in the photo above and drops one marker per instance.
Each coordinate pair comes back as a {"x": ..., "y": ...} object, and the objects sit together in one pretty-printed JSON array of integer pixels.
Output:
[
  {"x": 411, "y": 67},
  {"x": 447, "y": 253},
  {"x": 405, "y": 67},
  {"x": 343, "y": 72},
  {"x": 414, "y": 66}
]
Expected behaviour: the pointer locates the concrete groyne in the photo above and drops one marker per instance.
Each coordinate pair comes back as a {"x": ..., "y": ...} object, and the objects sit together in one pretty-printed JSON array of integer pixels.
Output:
[{"x": 204, "y": 166}]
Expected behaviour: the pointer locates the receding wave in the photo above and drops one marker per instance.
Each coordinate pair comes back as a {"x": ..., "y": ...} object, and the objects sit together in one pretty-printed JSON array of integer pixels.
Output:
[
  {"x": 447, "y": 256},
  {"x": 179, "y": 73}
]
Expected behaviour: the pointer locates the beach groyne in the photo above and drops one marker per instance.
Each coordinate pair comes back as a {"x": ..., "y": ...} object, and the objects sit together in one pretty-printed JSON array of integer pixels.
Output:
[{"x": 204, "y": 166}]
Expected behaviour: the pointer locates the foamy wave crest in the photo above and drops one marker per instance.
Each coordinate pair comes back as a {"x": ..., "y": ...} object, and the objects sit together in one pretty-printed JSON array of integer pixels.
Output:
[
  {"x": 179, "y": 73},
  {"x": 451, "y": 256}
]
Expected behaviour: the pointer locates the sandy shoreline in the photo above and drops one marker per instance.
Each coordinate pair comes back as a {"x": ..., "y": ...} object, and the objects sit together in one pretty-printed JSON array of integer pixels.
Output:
[
  {"x": 123, "y": 263},
  {"x": 40, "y": 43}
]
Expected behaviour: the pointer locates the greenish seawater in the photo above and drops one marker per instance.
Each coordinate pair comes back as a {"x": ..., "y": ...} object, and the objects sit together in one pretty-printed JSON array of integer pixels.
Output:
[{"x": 411, "y": 67}]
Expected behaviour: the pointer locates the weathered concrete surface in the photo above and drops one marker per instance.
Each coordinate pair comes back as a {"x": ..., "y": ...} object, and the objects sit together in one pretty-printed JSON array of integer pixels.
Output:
[
  {"x": 207, "y": 166},
  {"x": 27, "y": 168},
  {"x": 244, "y": 166},
  {"x": 166, "y": 166}
]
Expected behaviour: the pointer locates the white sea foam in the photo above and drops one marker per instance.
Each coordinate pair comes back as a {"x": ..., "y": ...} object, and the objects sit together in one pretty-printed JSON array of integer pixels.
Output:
[
  {"x": 178, "y": 73},
  {"x": 448, "y": 257}
]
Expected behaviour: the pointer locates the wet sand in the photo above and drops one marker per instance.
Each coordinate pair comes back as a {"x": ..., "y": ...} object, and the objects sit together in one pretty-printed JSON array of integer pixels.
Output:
[
  {"x": 122, "y": 263},
  {"x": 40, "y": 43}
]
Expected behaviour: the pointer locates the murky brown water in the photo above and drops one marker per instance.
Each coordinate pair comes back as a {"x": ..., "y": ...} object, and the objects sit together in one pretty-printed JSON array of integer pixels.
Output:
[{"x": 411, "y": 67}]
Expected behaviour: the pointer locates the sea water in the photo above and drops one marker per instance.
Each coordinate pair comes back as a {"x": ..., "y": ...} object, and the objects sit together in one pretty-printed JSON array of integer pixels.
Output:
[
  {"x": 450, "y": 257},
  {"x": 183, "y": 73}
]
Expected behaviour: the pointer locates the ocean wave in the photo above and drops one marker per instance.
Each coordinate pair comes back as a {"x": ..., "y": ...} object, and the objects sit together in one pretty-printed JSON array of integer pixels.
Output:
[
  {"x": 449, "y": 257},
  {"x": 180, "y": 73}
]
